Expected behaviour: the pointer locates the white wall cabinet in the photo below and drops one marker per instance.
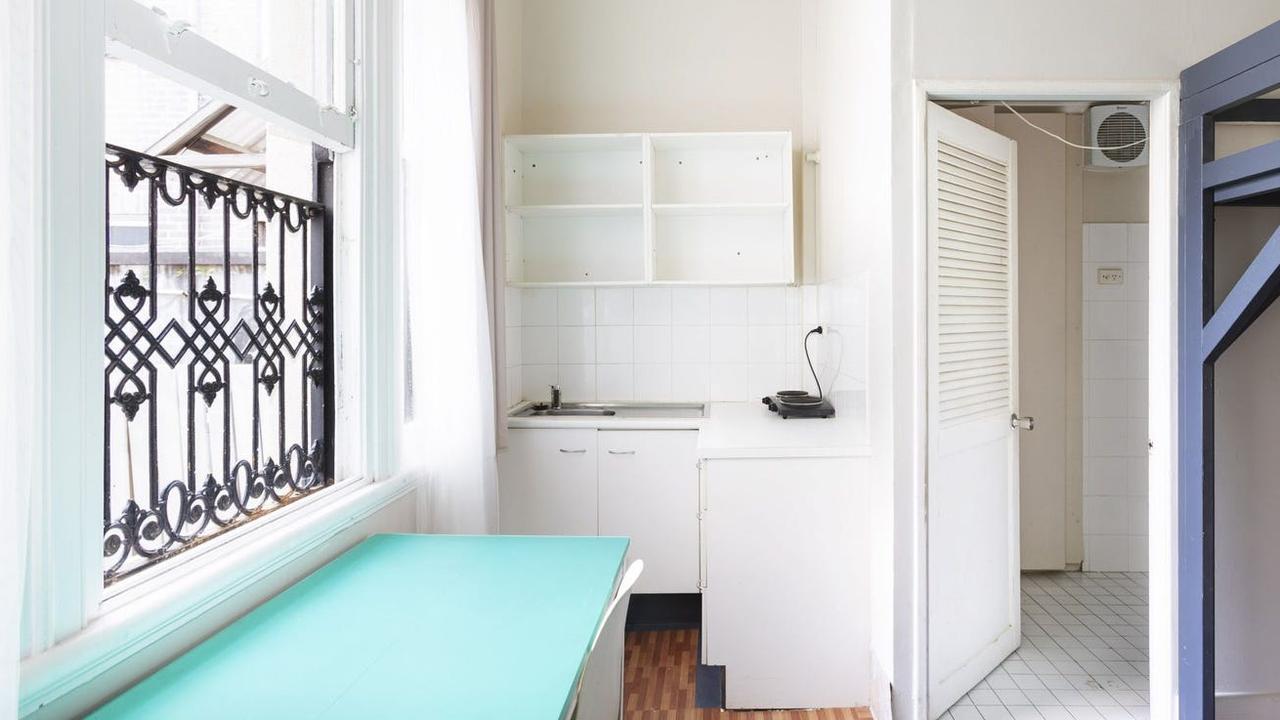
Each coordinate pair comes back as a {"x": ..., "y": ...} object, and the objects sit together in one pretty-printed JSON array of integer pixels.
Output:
[
  {"x": 642, "y": 484},
  {"x": 786, "y": 601},
  {"x": 670, "y": 208},
  {"x": 649, "y": 493},
  {"x": 548, "y": 483}
]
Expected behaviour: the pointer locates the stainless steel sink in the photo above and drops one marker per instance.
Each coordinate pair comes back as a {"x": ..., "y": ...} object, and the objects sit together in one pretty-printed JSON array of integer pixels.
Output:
[
  {"x": 620, "y": 410},
  {"x": 534, "y": 411}
]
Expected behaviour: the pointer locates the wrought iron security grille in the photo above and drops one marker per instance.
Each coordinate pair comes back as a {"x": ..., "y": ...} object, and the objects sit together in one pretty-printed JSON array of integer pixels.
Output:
[{"x": 218, "y": 373}]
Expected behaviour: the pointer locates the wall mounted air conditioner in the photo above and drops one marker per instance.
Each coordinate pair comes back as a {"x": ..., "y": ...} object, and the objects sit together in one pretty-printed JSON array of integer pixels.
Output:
[{"x": 1114, "y": 127}]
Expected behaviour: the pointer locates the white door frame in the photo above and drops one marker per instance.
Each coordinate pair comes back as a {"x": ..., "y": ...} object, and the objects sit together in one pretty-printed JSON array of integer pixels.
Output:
[{"x": 910, "y": 560}]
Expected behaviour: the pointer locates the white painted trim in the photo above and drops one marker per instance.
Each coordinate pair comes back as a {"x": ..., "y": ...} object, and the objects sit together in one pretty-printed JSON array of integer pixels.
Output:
[
  {"x": 65, "y": 547},
  {"x": 1163, "y": 214},
  {"x": 1248, "y": 705},
  {"x": 377, "y": 91},
  {"x": 146, "y": 582},
  {"x": 147, "y": 39},
  {"x": 130, "y": 626}
]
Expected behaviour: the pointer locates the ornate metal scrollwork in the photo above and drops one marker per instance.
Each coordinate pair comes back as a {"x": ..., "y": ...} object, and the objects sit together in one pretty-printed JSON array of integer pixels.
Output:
[{"x": 279, "y": 340}]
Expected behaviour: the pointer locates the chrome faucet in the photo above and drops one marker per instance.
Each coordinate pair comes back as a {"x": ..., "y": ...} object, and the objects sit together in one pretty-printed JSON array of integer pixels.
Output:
[{"x": 555, "y": 397}]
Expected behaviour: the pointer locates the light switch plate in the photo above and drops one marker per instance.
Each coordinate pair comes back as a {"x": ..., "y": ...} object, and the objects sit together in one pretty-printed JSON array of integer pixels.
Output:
[{"x": 1110, "y": 276}]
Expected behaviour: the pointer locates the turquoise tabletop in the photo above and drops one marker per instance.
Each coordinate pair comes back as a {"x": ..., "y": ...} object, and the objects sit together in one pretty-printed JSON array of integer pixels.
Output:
[{"x": 403, "y": 626}]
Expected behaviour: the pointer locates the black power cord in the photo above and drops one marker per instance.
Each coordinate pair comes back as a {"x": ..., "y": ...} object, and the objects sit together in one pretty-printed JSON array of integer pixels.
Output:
[{"x": 816, "y": 381}]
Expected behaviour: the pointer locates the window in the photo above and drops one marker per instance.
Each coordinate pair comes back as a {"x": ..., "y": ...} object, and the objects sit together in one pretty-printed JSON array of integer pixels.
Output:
[{"x": 219, "y": 370}]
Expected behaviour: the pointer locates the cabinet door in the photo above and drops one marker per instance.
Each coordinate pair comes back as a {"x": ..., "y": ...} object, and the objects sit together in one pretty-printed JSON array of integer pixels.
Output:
[
  {"x": 786, "y": 604},
  {"x": 547, "y": 482},
  {"x": 649, "y": 493}
]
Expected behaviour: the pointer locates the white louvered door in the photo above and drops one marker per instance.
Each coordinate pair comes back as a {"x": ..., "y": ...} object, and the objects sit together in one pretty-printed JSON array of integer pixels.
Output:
[{"x": 972, "y": 497}]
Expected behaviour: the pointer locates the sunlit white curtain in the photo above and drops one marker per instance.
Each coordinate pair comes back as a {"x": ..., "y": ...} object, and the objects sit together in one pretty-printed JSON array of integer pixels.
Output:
[
  {"x": 487, "y": 131},
  {"x": 449, "y": 440},
  {"x": 20, "y": 326}
]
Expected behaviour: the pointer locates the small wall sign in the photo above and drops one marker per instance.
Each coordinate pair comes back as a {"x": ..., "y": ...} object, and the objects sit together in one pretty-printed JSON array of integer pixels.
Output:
[{"x": 1111, "y": 276}]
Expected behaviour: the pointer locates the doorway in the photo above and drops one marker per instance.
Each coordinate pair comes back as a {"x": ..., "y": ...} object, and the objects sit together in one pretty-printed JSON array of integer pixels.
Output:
[{"x": 1077, "y": 506}]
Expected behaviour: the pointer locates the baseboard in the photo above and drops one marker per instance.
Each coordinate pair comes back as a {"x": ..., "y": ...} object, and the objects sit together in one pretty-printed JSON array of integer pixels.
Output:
[
  {"x": 1248, "y": 705},
  {"x": 664, "y": 611}
]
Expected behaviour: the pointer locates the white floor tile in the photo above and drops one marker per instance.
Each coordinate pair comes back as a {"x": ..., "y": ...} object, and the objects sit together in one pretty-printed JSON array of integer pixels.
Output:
[{"x": 1083, "y": 654}]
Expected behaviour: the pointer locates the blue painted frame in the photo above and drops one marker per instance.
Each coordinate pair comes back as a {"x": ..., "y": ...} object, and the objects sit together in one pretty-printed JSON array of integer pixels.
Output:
[{"x": 1224, "y": 86}]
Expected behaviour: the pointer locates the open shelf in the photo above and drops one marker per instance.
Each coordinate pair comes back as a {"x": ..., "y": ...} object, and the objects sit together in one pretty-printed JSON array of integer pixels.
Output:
[
  {"x": 574, "y": 170},
  {"x": 721, "y": 168},
  {"x": 674, "y": 208}
]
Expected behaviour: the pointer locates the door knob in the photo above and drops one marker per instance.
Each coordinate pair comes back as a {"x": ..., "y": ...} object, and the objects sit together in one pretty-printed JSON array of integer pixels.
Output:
[{"x": 1026, "y": 422}]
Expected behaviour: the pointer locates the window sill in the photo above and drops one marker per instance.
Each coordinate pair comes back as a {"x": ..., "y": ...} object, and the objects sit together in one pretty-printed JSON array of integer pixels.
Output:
[{"x": 145, "y": 612}]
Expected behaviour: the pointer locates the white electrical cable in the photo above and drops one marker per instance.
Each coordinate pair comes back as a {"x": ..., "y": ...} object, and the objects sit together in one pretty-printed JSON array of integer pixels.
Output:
[{"x": 1066, "y": 141}]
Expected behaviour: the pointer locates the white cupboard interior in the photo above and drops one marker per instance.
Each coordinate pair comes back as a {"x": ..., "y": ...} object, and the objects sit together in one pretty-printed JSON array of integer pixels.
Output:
[{"x": 696, "y": 208}]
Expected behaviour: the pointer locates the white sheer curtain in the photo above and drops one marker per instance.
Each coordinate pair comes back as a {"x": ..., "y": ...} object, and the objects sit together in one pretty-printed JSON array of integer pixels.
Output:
[
  {"x": 449, "y": 437},
  {"x": 21, "y": 253}
]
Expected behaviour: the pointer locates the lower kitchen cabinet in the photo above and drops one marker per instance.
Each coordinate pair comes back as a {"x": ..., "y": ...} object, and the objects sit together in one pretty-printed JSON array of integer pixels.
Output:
[
  {"x": 641, "y": 484},
  {"x": 547, "y": 482},
  {"x": 649, "y": 492},
  {"x": 786, "y": 604}
]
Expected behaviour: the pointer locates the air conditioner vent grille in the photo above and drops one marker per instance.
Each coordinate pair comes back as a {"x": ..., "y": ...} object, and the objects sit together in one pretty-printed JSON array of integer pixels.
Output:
[{"x": 1119, "y": 129}]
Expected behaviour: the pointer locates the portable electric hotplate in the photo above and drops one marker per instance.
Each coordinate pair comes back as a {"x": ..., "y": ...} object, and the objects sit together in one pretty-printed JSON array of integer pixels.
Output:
[{"x": 799, "y": 403}]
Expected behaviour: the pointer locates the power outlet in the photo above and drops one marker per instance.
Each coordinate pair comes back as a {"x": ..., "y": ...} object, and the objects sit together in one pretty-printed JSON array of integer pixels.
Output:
[{"x": 1110, "y": 276}]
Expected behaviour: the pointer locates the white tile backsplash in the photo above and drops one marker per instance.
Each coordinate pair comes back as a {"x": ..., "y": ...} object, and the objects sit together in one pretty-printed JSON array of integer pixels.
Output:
[
  {"x": 653, "y": 343},
  {"x": 767, "y": 305},
  {"x": 1114, "y": 319},
  {"x": 688, "y": 343},
  {"x": 767, "y": 344},
  {"x": 729, "y": 343},
  {"x": 615, "y": 344},
  {"x": 577, "y": 382},
  {"x": 537, "y": 379},
  {"x": 653, "y": 306},
  {"x": 690, "y": 381},
  {"x": 614, "y": 306},
  {"x": 729, "y": 381},
  {"x": 615, "y": 383},
  {"x": 538, "y": 345},
  {"x": 576, "y": 306},
  {"x": 690, "y": 306},
  {"x": 577, "y": 345},
  {"x": 653, "y": 382},
  {"x": 539, "y": 307},
  {"x": 729, "y": 306}
]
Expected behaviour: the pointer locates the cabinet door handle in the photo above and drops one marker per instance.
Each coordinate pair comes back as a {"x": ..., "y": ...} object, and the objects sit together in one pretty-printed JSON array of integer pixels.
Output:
[
  {"x": 622, "y": 452},
  {"x": 573, "y": 452}
]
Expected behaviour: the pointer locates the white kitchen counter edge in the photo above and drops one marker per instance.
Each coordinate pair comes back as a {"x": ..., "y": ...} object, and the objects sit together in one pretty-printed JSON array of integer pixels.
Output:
[
  {"x": 605, "y": 423},
  {"x": 726, "y": 420}
]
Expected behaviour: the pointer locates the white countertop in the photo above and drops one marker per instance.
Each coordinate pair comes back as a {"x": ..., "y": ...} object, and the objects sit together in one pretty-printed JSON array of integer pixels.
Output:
[
  {"x": 750, "y": 430},
  {"x": 745, "y": 429}
]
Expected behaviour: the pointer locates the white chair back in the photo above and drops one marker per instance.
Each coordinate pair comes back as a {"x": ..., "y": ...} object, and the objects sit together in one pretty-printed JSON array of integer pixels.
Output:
[{"x": 600, "y": 687}]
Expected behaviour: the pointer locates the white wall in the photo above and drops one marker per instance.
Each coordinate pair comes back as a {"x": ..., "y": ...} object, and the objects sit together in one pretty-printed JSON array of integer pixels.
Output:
[
  {"x": 1115, "y": 398},
  {"x": 1091, "y": 40},
  {"x": 851, "y": 55},
  {"x": 660, "y": 65}
]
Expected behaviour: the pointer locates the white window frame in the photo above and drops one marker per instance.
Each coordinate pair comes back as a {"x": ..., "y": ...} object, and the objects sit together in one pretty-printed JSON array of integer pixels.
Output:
[
  {"x": 152, "y": 41},
  {"x": 77, "y": 642}
]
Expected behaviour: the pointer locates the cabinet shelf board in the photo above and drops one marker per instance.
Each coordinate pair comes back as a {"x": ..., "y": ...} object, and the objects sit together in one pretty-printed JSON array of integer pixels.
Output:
[
  {"x": 582, "y": 210},
  {"x": 720, "y": 208}
]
